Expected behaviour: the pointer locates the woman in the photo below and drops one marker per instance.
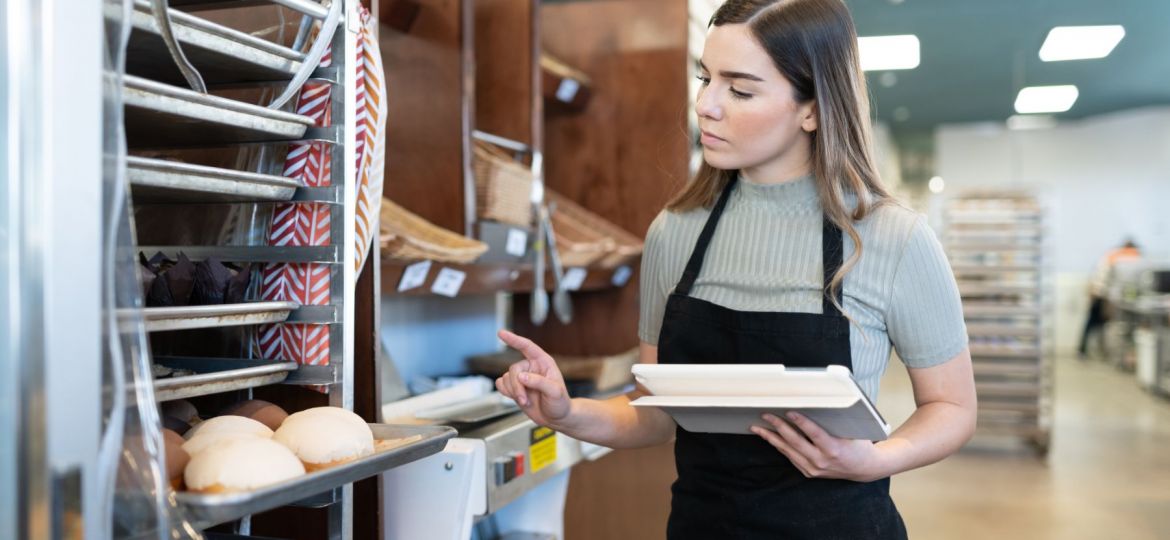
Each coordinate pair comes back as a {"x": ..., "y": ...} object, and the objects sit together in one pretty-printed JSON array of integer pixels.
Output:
[{"x": 787, "y": 249}]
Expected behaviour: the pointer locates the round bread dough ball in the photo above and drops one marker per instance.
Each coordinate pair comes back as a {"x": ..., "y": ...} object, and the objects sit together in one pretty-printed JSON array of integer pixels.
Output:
[
  {"x": 324, "y": 437},
  {"x": 176, "y": 457},
  {"x": 242, "y": 464},
  {"x": 259, "y": 410},
  {"x": 201, "y": 442},
  {"x": 229, "y": 423}
]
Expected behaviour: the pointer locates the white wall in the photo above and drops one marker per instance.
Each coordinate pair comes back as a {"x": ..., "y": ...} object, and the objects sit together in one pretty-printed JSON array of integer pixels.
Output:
[{"x": 1102, "y": 179}]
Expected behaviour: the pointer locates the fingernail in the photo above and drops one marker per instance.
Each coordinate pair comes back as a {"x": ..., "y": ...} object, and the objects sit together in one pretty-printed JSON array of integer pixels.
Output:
[
  {"x": 769, "y": 418},
  {"x": 524, "y": 377},
  {"x": 792, "y": 416}
]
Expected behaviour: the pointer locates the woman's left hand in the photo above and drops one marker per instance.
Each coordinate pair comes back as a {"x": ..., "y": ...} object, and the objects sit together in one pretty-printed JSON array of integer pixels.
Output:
[{"x": 820, "y": 455}]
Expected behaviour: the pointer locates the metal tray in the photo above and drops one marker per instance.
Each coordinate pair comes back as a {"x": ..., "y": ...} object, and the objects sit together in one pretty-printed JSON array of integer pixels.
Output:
[
  {"x": 161, "y": 319},
  {"x": 209, "y": 510},
  {"x": 158, "y": 180},
  {"x": 219, "y": 53},
  {"x": 216, "y": 375},
  {"x": 161, "y": 115}
]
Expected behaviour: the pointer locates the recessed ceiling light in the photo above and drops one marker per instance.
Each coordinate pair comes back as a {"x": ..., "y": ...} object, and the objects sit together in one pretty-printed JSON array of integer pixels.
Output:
[
  {"x": 1080, "y": 42},
  {"x": 937, "y": 185},
  {"x": 888, "y": 52},
  {"x": 1046, "y": 99}
]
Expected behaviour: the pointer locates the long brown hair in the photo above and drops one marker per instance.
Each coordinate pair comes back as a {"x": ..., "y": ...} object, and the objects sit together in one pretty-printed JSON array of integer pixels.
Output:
[{"x": 814, "y": 45}]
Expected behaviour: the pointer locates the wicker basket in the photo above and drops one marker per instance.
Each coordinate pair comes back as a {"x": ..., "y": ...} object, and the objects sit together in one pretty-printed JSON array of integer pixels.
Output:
[
  {"x": 503, "y": 187},
  {"x": 405, "y": 235},
  {"x": 586, "y": 239}
]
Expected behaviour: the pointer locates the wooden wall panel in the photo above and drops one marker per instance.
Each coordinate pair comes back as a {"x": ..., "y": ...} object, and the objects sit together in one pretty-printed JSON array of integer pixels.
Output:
[
  {"x": 626, "y": 153},
  {"x": 425, "y": 102},
  {"x": 623, "y": 496},
  {"x": 505, "y": 69}
]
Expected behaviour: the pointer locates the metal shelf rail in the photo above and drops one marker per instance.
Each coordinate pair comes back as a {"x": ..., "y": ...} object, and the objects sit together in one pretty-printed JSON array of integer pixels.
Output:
[{"x": 995, "y": 241}]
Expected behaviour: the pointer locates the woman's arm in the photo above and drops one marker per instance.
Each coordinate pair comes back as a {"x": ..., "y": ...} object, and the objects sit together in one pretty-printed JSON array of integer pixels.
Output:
[
  {"x": 942, "y": 423},
  {"x": 537, "y": 386}
]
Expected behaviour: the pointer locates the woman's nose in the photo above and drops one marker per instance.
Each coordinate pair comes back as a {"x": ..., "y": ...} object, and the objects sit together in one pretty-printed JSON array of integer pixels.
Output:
[{"x": 706, "y": 105}]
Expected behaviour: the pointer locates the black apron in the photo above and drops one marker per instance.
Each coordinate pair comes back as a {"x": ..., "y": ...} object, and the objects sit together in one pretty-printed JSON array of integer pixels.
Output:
[{"x": 739, "y": 486}]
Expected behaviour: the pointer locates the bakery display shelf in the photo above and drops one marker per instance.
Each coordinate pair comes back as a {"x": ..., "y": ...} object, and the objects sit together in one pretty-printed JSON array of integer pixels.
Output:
[
  {"x": 216, "y": 375},
  {"x": 995, "y": 269},
  {"x": 219, "y": 53},
  {"x": 241, "y": 254},
  {"x": 1004, "y": 352},
  {"x": 1003, "y": 330},
  {"x": 975, "y": 309},
  {"x": 157, "y": 114},
  {"x": 991, "y": 391},
  {"x": 1006, "y": 368},
  {"x": 993, "y": 247},
  {"x": 975, "y": 288},
  {"x": 165, "y": 181},
  {"x": 489, "y": 278},
  {"x": 206, "y": 510},
  {"x": 1022, "y": 406},
  {"x": 163, "y": 319}
]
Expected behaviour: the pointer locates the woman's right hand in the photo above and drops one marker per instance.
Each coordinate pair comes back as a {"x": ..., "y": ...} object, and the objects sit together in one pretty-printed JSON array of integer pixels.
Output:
[{"x": 535, "y": 383}]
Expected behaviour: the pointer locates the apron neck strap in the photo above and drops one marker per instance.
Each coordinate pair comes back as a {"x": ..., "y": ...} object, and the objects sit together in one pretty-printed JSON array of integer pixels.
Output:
[
  {"x": 695, "y": 264},
  {"x": 832, "y": 252}
]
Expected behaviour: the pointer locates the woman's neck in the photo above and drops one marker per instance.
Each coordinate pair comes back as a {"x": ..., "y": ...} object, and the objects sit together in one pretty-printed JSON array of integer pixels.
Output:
[{"x": 790, "y": 166}]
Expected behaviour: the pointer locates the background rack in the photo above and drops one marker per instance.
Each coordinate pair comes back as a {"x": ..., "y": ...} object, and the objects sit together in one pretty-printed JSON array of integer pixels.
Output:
[
  {"x": 163, "y": 116},
  {"x": 995, "y": 241}
]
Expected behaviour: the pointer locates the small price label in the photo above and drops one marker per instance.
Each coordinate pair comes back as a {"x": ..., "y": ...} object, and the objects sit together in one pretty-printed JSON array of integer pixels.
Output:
[
  {"x": 567, "y": 90},
  {"x": 517, "y": 242},
  {"x": 621, "y": 276},
  {"x": 574, "y": 278},
  {"x": 448, "y": 282},
  {"x": 414, "y": 276}
]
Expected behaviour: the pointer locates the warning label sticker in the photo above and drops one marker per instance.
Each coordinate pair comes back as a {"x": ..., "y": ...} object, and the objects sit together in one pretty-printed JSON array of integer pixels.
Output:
[{"x": 542, "y": 448}]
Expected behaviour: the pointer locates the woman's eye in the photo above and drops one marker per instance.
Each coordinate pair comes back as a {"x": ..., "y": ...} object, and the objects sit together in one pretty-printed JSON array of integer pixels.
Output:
[
  {"x": 740, "y": 95},
  {"x": 704, "y": 80}
]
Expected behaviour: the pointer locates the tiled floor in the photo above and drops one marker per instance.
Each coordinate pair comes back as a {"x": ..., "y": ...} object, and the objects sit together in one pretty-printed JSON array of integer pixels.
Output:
[{"x": 1107, "y": 475}]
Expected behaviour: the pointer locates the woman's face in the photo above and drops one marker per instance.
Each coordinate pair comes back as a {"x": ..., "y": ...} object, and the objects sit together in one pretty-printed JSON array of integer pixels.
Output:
[{"x": 747, "y": 109}]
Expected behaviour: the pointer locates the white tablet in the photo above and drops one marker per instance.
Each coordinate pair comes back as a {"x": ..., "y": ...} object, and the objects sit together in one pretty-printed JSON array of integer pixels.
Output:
[{"x": 714, "y": 398}]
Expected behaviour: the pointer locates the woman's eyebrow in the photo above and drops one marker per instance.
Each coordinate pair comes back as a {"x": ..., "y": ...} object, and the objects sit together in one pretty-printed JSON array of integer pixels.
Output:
[{"x": 732, "y": 74}]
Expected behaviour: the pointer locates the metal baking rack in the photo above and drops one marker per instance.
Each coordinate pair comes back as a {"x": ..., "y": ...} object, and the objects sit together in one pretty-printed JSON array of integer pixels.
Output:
[
  {"x": 160, "y": 117},
  {"x": 161, "y": 181},
  {"x": 221, "y": 54},
  {"x": 995, "y": 243}
]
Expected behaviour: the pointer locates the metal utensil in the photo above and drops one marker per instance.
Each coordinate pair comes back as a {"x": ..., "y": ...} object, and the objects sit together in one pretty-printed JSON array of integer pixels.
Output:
[
  {"x": 562, "y": 304},
  {"x": 538, "y": 305}
]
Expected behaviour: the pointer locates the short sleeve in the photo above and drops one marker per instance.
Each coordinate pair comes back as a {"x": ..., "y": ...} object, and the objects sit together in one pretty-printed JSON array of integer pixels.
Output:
[
  {"x": 924, "y": 318},
  {"x": 653, "y": 290}
]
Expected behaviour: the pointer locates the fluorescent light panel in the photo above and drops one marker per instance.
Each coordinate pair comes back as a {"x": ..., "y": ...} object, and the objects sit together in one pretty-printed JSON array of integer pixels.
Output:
[
  {"x": 1080, "y": 42},
  {"x": 1046, "y": 99},
  {"x": 880, "y": 53}
]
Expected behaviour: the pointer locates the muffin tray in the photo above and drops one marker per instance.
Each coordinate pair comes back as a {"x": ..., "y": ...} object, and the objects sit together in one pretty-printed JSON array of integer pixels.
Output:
[
  {"x": 162, "y": 319},
  {"x": 208, "y": 510},
  {"x": 216, "y": 375},
  {"x": 160, "y": 180}
]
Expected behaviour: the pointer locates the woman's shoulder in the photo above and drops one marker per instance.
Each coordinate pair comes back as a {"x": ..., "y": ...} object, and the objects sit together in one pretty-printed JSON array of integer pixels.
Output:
[{"x": 890, "y": 227}]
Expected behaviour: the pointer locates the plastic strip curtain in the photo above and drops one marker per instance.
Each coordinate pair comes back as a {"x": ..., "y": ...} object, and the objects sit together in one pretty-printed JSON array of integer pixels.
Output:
[
  {"x": 308, "y": 224},
  {"x": 137, "y": 498}
]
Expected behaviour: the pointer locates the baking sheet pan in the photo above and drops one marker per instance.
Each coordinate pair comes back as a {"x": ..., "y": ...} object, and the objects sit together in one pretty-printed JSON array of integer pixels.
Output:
[
  {"x": 161, "y": 319},
  {"x": 208, "y": 510},
  {"x": 160, "y": 180}
]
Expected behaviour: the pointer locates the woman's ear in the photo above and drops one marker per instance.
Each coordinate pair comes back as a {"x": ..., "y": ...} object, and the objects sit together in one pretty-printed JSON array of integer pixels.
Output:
[{"x": 809, "y": 122}]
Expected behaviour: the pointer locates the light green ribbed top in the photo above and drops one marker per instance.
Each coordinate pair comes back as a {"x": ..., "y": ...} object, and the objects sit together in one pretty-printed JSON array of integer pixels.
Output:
[{"x": 766, "y": 256}]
